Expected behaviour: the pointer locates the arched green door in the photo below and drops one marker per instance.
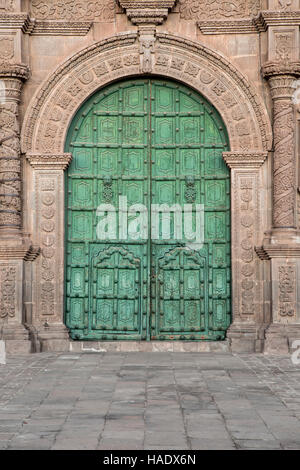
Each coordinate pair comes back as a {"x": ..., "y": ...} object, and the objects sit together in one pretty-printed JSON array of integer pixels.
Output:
[{"x": 148, "y": 142}]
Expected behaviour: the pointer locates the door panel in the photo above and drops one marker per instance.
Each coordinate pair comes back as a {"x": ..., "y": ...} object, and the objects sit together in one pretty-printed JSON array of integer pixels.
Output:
[{"x": 153, "y": 142}]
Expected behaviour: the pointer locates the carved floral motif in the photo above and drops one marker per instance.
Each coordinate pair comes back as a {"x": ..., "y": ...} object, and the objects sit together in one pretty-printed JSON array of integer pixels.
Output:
[
  {"x": 48, "y": 252},
  {"x": 247, "y": 247},
  {"x": 98, "y": 10},
  {"x": 283, "y": 46},
  {"x": 218, "y": 9}
]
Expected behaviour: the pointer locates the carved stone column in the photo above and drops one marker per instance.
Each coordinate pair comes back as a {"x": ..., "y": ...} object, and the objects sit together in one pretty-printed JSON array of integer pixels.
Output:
[
  {"x": 12, "y": 77},
  {"x": 48, "y": 276},
  {"x": 248, "y": 309},
  {"x": 15, "y": 247},
  {"x": 282, "y": 243}
]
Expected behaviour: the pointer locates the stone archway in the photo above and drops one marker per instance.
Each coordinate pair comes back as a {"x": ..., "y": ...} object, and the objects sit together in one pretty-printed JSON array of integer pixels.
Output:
[
  {"x": 51, "y": 111},
  {"x": 43, "y": 138}
]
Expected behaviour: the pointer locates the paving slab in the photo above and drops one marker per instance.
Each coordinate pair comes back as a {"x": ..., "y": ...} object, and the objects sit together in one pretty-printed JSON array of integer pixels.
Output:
[{"x": 164, "y": 400}]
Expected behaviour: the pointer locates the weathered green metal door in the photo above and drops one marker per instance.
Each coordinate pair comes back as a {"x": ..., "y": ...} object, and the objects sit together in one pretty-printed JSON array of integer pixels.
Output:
[{"x": 147, "y": 142}]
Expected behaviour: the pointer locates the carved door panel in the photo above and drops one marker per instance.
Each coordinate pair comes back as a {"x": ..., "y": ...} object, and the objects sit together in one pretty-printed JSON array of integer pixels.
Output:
[
  {"x": 191, "y": 285},
  {"x": 151, "y": 142}
]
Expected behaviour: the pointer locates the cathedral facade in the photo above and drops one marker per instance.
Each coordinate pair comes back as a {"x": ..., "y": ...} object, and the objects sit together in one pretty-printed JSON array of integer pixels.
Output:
[{"x": 185, "y": 103}]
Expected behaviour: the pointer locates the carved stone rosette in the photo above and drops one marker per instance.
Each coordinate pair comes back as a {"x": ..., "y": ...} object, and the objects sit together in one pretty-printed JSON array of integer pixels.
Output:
[
  {"x": 12, "y": 77},
  {"x": 281, "y": 80}
]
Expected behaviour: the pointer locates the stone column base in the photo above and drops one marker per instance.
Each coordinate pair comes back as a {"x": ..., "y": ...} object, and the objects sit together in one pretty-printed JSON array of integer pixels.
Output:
[
  {"x": 279, "y": 338},
  {"x": 246, "y": 338},
  {"x": 52, "y": 338}
]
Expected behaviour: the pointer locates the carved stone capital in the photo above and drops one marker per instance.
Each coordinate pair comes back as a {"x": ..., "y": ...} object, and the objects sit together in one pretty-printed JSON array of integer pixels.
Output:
[
  {"x": 245, "y": 160},
  {"x": 281, "y": 77},
  {"x": 19, "y": 71},
  {"x": 13, "y": 76},
  {"x": 275, "y": 69},
  {"x": 147, "y": 11},
  {"x": 54, "y": 162}
]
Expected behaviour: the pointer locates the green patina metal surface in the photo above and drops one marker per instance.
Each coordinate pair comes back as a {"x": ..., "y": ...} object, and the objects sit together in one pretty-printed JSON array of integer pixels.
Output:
[{"x": 155, "y": 142}]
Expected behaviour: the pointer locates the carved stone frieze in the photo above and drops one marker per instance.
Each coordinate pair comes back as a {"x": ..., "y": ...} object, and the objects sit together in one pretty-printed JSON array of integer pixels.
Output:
[
  {"x": 246, "y": 225},
  {"x": 49, "y": 206},
  {"x": 218, "y": 9},
  {"x": 96, "y": 10}
]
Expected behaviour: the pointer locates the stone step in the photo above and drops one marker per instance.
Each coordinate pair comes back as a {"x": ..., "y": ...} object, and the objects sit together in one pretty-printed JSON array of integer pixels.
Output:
[{"x": 149, "y": 346}]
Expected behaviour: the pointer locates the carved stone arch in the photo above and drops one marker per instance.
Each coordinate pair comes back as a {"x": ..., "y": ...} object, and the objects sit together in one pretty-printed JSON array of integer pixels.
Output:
[{"x": 51, "y": 111}]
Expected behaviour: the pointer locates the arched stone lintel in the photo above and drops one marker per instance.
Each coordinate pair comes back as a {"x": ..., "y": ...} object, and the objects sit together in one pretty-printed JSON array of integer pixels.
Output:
[{"x": 53, "y": 107}]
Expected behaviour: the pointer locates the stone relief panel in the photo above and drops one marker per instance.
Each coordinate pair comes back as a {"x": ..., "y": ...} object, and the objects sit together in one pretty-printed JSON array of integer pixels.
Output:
[
  {"x": 49, "y": 266},
  {"x": 7, "y": 49},
  {"x": 284, "y": 44},
  {"x": 218, "y": 9},
  {"x": 247, "y": 221},
  {"x": 70, "y": 10},
  {"x": 287, "y": 290},
  {"x": 10, "y": 167},
  {"x": 8, "y": 275}
]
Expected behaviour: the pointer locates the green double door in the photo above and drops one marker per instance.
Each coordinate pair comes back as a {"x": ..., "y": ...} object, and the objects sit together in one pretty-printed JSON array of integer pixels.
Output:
[{"x": 134, "y": 272}]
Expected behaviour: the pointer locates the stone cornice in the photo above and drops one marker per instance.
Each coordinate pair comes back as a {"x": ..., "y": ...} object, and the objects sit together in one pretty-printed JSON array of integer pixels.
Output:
[
  {"x": 61, "y": 28},
  {"x": 267, "y": 252},
  {"x": 147, "y": 11},
  {"x": 15, "y": 21},
  {"x": 271, "y": 69},
  {"x": 238, "y": 26},
  {"x": 247, "y": 159},
  {"x": 54, "y": 162},
  {"x": 19, "y": 71},
  {"x": 268, "y": 18}
]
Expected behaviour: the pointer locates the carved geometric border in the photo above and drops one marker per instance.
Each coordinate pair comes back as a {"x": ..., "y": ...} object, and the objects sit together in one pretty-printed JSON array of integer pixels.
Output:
[{"x": 55, "y": 103}]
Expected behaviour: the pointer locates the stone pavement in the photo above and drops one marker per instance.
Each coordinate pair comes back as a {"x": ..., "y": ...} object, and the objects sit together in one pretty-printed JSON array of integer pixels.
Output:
[{"x": 149, "y": 401}]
